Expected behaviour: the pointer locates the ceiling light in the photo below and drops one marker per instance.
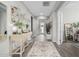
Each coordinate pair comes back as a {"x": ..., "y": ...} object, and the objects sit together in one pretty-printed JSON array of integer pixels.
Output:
[{"x": 41, "y": 13}]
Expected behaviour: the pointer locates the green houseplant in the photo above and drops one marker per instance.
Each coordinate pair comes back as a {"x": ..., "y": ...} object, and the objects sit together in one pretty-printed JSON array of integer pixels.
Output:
[
  {"x": 19, "y": 24},
  {"x": 76, "y": 25}
]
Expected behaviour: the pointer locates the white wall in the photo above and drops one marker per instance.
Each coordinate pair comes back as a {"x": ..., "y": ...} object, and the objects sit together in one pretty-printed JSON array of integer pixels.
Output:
[
  {"x": 35, "y": 26},
  {"x": 71, "y": 15},
  {"x": 53, "y": 18},
  {"x": 3, "y": 22},
  {"x": 55, "y": 27},
  {"x": 0, "y": 22},
  {"x": 4, "y": 51}
]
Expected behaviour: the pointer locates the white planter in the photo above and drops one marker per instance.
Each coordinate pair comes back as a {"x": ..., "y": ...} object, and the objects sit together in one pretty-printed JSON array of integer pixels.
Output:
[{"x": 19, "y": 31}]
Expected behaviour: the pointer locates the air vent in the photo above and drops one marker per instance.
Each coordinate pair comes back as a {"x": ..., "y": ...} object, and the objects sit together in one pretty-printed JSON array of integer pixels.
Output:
[{"x": 46, "y": 3}]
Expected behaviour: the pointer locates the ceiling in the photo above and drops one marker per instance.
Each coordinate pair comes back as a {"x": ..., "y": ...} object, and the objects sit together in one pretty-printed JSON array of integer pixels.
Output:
[
  {"x": 73, "y": 4},
  {"x": 37, "y": 8}
]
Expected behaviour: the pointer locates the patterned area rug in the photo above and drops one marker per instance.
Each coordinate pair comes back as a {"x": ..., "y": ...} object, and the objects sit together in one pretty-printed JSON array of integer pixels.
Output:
[{"x": 43, "y": 49}]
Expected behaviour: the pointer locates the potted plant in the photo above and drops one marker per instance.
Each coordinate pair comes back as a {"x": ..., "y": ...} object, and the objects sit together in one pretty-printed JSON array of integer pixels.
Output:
[
  {"x": 76, "y": 27},
  {"x": 19, "y": 24},
  {"x": 25, "y": 28},
  {"x": 48, "y": 29}
]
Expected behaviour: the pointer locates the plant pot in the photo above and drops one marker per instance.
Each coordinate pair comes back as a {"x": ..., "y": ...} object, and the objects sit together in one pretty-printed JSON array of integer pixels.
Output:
[{"x": 19, "y": 31}]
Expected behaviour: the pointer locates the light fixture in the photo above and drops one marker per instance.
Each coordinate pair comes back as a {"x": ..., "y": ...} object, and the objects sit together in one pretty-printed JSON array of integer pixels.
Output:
[
  {"x": 41, "y": 14},
  {"x": 46, "y": 3}
]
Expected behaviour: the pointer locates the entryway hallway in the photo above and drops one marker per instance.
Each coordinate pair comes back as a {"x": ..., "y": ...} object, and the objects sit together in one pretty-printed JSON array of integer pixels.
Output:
[{"x": 39, "y": 29}]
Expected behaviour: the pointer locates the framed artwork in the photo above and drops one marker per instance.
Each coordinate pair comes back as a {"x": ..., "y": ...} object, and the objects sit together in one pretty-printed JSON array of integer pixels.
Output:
[{"x": 15, "y": 14}]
